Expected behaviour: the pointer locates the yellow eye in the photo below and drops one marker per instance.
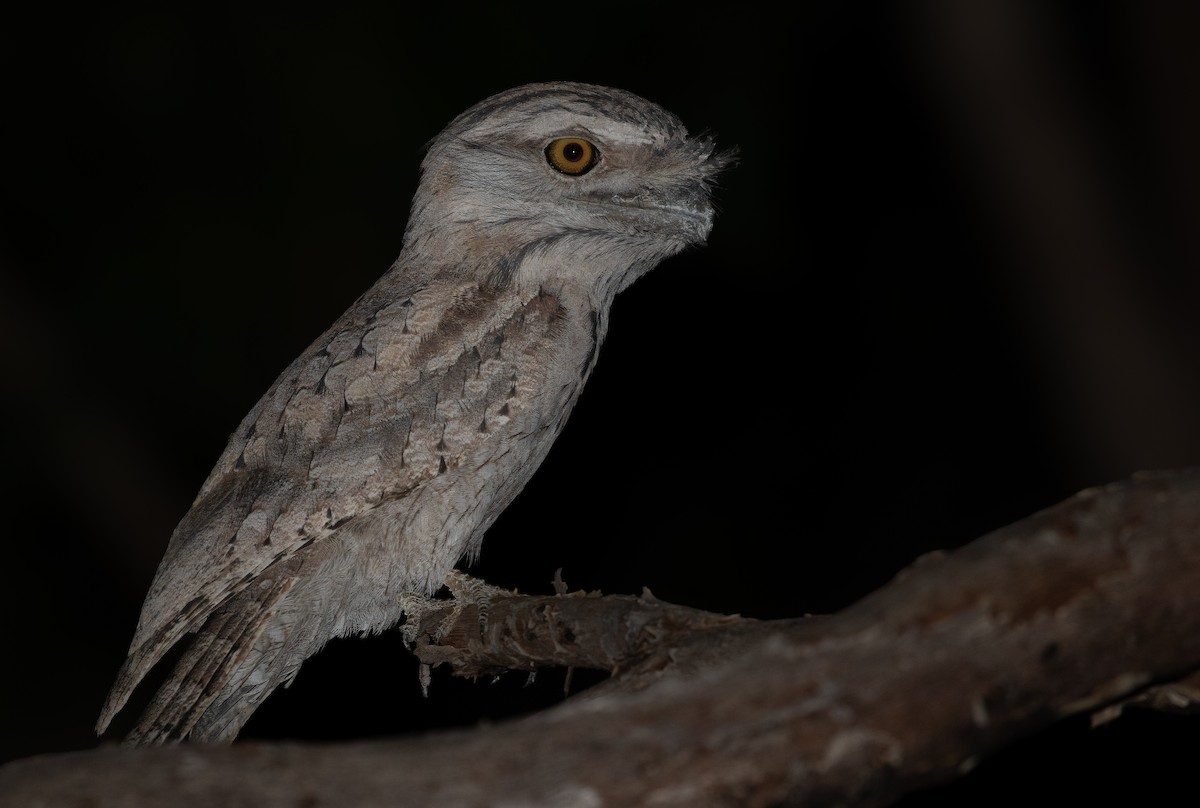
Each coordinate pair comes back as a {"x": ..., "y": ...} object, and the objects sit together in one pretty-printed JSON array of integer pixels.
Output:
[{"x": 572, "y": 155}]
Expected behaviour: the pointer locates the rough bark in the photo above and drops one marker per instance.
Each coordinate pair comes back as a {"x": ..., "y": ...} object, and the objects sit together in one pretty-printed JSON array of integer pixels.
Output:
[{"x": 1077, "y": 608}]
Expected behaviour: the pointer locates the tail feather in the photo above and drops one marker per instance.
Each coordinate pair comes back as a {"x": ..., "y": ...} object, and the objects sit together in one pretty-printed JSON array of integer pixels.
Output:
[
  {"x": 144, "y": 656},
  {"x": 256, "y": 641},
  {"x": 173, "y": 710},
  {"x": 213, "y": 664}
]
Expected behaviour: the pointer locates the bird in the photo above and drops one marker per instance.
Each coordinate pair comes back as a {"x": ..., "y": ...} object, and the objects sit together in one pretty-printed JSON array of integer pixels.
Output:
[{"x": 378, "y": 459}]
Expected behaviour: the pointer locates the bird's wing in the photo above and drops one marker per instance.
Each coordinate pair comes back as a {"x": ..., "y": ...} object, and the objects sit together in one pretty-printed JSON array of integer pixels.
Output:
[{"x": 403, "y": 387}]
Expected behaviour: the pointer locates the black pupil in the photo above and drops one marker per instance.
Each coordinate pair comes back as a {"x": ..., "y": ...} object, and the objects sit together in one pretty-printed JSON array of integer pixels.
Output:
[{"x": 573, "y": 152}]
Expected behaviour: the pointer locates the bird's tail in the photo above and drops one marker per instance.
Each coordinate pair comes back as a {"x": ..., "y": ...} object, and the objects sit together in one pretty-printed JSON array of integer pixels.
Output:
[{"x": 228, "y": 657}]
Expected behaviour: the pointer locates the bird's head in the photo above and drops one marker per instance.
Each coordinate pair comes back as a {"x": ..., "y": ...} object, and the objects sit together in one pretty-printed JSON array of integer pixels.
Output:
[{"x": 565, "y": 181}]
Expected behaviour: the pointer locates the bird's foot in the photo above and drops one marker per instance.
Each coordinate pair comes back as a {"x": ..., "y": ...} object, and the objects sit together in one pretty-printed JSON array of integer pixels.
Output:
[{"x": 429, "y": 620}]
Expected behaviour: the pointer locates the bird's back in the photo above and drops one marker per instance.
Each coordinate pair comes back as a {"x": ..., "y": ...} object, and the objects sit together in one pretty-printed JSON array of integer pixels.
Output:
[{"x": 373, "y": 464}]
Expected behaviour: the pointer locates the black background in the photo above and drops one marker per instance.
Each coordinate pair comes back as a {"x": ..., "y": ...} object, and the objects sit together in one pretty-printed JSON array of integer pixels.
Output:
[{"x": 953, "y": 280}]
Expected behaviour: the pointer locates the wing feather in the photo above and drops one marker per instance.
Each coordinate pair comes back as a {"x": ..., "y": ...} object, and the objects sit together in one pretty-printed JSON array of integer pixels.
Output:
[{"x": 377, "y": 407}]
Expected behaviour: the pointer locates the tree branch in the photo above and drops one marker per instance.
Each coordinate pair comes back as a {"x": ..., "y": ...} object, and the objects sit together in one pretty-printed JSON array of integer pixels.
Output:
[
  {"x": 1078, "y": 607},
  {"x": 486, "y": 631}
]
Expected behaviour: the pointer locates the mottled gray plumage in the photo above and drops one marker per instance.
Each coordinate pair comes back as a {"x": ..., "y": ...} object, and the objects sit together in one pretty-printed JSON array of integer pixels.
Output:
[{"x": 381, "y": 455}]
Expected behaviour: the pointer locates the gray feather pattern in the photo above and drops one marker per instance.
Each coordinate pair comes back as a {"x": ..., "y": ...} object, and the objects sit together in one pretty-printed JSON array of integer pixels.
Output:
[{"x": 377, "y": 460}]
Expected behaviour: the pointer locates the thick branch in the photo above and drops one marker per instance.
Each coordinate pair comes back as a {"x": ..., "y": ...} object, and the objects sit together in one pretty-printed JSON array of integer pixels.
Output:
[{"x": 1077, "y": 607}]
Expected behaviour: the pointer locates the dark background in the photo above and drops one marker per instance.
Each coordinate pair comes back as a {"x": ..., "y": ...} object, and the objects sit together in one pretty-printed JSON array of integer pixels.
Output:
[{"x": 953, "y": 280}]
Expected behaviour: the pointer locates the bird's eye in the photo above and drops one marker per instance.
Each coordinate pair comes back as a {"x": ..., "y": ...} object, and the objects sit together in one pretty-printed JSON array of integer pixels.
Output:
[{"x": 572, "y": 155}]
